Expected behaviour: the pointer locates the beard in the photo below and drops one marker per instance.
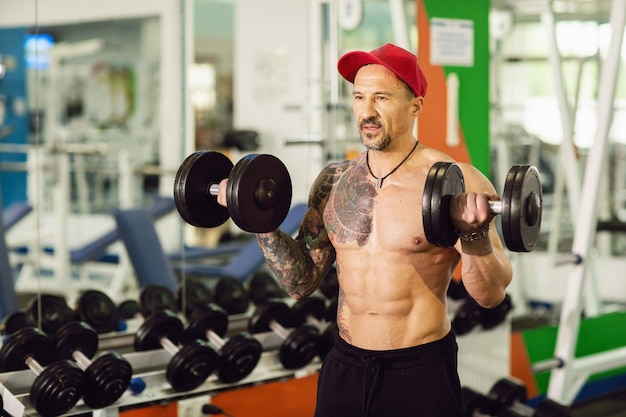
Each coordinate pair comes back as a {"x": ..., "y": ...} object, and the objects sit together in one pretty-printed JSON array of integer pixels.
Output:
[{"x": 370, "y": 140}]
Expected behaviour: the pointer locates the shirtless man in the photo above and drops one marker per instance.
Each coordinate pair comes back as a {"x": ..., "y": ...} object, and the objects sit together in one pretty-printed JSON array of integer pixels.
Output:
[{"x": 396, "y": 354}]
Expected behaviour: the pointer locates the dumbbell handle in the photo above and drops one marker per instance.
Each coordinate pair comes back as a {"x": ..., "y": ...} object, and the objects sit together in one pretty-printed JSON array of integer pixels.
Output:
[
  {"x": 278, "y": 329},
  {"x": 214, "y": 339},
  {"x": 169, "y": 346},
  {"x": 214, "y": 188},
  {"x": 82, "y": 360},
  {"x": 495, "y": 206},
  {"x": 34, "y": 365},
  {"x": 311, "y": 319}
]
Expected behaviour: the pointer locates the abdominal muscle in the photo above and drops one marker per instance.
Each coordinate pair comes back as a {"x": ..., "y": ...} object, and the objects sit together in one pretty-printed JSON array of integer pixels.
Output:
[{"x": 389, "y": 305}]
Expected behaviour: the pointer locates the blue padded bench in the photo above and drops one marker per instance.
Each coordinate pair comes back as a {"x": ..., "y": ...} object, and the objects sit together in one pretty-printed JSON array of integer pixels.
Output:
[
  {"x": 95, "y": 249},
  {"x": 15, "y": 212},
  {"x": 152, "y": 265}
]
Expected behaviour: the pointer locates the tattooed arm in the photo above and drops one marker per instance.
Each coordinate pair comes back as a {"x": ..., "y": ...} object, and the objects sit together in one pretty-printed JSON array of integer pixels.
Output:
[{"x": 300, "y": 264}]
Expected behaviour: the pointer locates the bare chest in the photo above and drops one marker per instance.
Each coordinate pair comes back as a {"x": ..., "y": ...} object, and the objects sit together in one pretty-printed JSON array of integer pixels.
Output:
[{"x": 358, "y": 215}]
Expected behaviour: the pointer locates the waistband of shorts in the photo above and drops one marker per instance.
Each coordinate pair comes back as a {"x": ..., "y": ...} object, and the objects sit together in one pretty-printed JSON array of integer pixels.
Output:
[{"x": 437, "y": 348}]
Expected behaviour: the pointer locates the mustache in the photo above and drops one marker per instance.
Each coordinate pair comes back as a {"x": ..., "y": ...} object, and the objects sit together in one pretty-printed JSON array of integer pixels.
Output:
[{"x": 371, "y": 121}]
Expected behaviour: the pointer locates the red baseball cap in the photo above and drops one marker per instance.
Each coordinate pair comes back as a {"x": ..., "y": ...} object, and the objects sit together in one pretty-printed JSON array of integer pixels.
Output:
[{"x": 400, "y": 61}]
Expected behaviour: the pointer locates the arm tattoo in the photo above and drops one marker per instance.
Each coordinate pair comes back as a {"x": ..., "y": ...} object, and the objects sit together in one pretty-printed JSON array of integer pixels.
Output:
[{"x": 301, "y": 263}]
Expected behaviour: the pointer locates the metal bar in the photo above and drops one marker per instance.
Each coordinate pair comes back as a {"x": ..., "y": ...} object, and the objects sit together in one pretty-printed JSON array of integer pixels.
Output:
[{"x": 560, "y": 388}]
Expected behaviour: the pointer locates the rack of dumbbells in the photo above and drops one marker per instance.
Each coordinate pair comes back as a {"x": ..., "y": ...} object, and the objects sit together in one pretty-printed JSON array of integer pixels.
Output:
[{"x": 58, "y": 359}]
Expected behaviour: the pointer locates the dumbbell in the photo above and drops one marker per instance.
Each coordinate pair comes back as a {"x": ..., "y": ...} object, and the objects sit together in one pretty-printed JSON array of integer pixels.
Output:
[
  {"x": 14, "y": 321},
  {"x": 48, "y": 312},
  {"x": 228, "y": 292},
  {"x": 300, "y": 345},
  {"x": 58, "y": 385},
  {"x": 107, "y": 377},
  {"x": 192, "y": 293},
  {"x": 509, "y": 398},
  {"x": 520, "y": 206},
  {"x": 238, "y": 356},
  {"x": 263, "y": 286},
  {"x": 92, "y": 307},
  {"x": 258, "y": 194},
  {"x": 313, "y": 310},
  {"x": 191, "y": 364},
  {"x": 98, "y": 310},
  {"x": 470, "y": 314}
]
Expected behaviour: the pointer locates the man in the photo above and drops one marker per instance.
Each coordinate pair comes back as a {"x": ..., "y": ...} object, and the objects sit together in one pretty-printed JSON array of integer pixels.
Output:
[{"x": 396, "y": 354}]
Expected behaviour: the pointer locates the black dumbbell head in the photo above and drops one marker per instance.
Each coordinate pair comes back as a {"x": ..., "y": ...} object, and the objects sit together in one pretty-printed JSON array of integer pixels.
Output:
[
  {"x": 308, "y": 306},
  {"x": 24, "y": 343},
  {"x": 75, "y": 336},
  {"x": 238, "y": 358},
  {"x": 156, "y": 326},
  {"x": 193, "y": 293},
  {"x": 265, "y": 313},
  {"x": 57, "y": 389},
  {"x": 191, "y": 366},
  {"x": 98, "y": 310},
  {"x": 106, "y": 380},
  {"x": 204, "y": 319},
  {"x": 230, "y": 294},
  {"x": 155, "y": 298},
  {"x": 54, "y": 312},
  {"x": 300, "y": 347}
]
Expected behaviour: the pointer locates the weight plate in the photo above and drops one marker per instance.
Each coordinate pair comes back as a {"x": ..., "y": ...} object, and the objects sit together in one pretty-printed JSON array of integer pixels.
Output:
[
  {"x": 327, "y": 341},
  {"x": 267, "y": 312},
  {"x": 128, "y": 309},
  {"x": 308, "y": 307},
  {"x": 57, "y": 389},
  {"x": 158, "y": 325},
  {"x": 191, "y": 366},
  {"x": 205, "y": 319},
  {"x": 444, "y": 180},
  {"x": 300, "y": 347},
  {"x": 106, "y": 380},
  {"x": 97, "y": 310},
  {"x": 191, "y": 188},
  {"x": 75, "y": 336},
  {"x": 193, "y": 294},
  {"x": 259, "y": 193},
  {"x": 238, "y": 358},
  {"x": 263, "y": 286},
  {"x": 230, "y": 294},
  {"x": 467, "y": 317},
  {"x": 506, "y": 392},
  {"x": 54, "y": 312},
  {"x": 155, "y": 298},
  {"x": 26, "y": 342},
  {"x": 13, "y": 322},
  {"x": 522, "y": 202}
]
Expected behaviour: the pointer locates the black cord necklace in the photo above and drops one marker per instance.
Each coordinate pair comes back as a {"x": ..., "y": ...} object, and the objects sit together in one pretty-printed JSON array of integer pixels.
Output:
[{"x": 379, "y": 180}]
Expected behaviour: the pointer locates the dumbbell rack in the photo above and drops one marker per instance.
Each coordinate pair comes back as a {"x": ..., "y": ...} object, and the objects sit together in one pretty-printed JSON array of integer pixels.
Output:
[{"x": 151, "y": 365}]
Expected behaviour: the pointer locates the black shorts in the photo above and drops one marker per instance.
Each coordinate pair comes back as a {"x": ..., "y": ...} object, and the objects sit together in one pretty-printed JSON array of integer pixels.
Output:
[{"x": 418, "y": 381}]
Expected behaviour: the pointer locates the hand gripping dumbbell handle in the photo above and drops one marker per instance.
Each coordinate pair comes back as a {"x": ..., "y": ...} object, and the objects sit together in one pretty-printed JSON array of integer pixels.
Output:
[
  {"x": 215, "y": 187},
  {"x": 495, "y": 207}
]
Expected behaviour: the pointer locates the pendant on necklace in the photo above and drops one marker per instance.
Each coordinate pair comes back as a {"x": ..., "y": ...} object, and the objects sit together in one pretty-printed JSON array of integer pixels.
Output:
[{"x": 379, "y": 182}]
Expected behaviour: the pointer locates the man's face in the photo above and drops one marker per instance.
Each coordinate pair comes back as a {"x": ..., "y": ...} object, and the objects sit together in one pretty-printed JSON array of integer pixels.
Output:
[{"x": 383, "y": 106}]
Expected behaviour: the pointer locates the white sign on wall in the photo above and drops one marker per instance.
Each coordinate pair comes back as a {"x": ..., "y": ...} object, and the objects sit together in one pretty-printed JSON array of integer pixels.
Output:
[{"x": 452, "y": 42}]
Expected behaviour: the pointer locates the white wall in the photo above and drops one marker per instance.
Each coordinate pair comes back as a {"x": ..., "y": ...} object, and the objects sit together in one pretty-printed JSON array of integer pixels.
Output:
[{"x": 272, "y": 78}]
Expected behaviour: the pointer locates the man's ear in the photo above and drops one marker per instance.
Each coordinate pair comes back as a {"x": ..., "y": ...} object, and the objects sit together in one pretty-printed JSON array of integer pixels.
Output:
[{"x": 417, "y": 105}]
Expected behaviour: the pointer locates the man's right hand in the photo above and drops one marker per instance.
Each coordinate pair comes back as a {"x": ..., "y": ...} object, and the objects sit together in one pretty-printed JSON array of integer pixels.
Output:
[{"x": 221, "y": 192}]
